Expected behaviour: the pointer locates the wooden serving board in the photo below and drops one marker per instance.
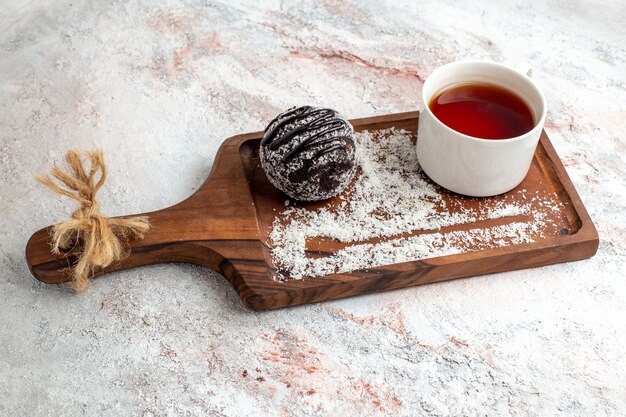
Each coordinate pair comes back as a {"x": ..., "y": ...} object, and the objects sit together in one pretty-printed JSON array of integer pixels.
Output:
[{"x": 225, "y": 224}]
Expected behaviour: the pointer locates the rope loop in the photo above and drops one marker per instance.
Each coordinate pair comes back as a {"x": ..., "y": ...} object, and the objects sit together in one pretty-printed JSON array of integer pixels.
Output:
[{"x": 96, "y": 240}]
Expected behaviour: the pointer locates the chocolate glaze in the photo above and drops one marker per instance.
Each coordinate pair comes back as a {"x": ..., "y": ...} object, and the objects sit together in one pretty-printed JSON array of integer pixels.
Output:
[
  {"x": 324, "y": 121},
  {"x": 309, "y": 153}
]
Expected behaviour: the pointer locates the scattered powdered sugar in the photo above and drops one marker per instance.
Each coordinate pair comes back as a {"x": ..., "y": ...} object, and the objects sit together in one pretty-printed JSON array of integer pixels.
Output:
[{"x": 392, "y": 199}]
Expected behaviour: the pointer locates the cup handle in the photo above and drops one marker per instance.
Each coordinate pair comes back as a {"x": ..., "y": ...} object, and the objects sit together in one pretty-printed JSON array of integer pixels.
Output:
[{"x": 524, "y": 68}]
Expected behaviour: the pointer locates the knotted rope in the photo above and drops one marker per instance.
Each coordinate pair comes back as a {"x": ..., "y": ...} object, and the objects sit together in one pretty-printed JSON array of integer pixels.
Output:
[{"x": 97, "y": 241}]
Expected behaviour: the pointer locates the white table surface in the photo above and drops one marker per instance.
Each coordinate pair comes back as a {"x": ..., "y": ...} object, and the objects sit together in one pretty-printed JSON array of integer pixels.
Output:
[{"x": 159, "y": 85}]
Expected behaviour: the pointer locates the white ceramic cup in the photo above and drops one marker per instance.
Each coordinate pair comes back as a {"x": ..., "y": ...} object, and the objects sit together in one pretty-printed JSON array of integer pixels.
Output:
[{"x": 473, "y": 166}]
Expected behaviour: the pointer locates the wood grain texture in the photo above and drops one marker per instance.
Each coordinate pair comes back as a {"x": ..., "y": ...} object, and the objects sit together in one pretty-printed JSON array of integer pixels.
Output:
[{"x": 225, "y": 224}]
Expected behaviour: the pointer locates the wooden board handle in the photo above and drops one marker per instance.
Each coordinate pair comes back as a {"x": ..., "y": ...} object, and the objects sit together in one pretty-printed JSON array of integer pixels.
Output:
[
  {"x": 159, "y": 245},
  {"x": 215, "y": 227}
]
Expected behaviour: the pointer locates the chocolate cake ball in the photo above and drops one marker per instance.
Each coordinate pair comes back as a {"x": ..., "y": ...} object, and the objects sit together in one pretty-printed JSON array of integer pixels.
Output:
[{"x": 309, "y": 153}]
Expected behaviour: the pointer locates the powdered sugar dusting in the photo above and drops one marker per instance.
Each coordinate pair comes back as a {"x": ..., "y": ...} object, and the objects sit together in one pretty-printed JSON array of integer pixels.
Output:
[{"x": 392, "y": 199}]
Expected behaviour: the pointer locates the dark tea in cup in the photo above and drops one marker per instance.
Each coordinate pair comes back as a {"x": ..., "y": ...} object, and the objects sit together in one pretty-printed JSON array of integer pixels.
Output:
[
  {"x": 482, "y": 110},
  {"x": 484, "y": 100}
]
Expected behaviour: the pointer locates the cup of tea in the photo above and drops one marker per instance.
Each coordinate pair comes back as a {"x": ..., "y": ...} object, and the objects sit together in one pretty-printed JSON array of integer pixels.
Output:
[{"x": 479, "y": 125}]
